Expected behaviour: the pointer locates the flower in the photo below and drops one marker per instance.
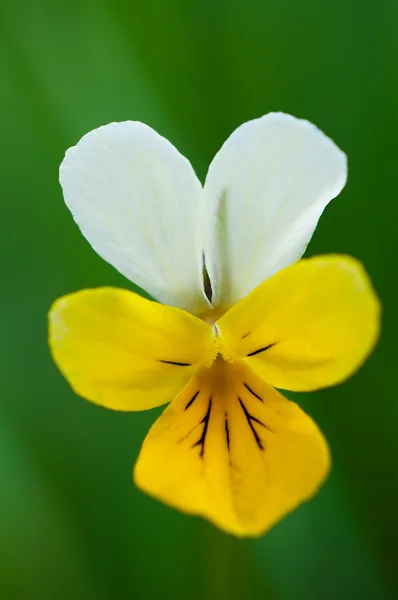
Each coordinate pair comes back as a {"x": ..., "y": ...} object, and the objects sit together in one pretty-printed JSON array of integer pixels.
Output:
[{"x": 239, "y": 316}]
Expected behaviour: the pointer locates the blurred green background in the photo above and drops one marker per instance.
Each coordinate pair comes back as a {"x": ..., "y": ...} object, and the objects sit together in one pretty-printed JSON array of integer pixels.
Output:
[{"x": 72, "y": 525}]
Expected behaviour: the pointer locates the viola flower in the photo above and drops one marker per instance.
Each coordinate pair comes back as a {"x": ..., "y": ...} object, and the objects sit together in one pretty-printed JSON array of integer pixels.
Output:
[{"x": 236, "y": 315}]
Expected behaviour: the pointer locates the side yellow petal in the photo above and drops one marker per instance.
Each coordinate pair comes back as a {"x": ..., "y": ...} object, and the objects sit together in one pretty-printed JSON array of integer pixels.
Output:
[
  {"x": 310, "y": 326},
  {"x": 233, "y": 450},
  {"x": 124, "y": 352}
]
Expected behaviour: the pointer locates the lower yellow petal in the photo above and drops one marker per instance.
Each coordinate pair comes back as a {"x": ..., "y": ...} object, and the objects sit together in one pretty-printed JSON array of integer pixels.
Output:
[
  {"x": 233, "y": 450},
  {"x": 309, "y": 326},
  {"x": 124, "y": 352}
]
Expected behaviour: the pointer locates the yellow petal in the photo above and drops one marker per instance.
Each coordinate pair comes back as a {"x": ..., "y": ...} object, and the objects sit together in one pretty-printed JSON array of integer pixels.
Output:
[
  {"x": 309, "y": 326},
  {"x": 124, "y": 352},
  {"x": 233, "y": 450}
]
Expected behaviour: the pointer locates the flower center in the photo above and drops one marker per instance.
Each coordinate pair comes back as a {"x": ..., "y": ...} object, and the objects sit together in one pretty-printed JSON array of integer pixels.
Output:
[{"x": 212, "y": 315}]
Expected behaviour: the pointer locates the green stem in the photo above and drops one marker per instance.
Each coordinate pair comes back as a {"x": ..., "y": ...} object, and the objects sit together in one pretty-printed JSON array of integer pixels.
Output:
[{"x": 227, "y": 566}]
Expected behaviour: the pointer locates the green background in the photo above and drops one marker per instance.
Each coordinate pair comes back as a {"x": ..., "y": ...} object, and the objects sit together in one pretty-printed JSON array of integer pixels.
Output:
[{"x": 72, "y": 525}]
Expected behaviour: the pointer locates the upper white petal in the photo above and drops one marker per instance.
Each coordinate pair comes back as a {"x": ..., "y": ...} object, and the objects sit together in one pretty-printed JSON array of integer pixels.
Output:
[
  {"x": 264, "y": 193},
  {"x": 136, "y": 200}
]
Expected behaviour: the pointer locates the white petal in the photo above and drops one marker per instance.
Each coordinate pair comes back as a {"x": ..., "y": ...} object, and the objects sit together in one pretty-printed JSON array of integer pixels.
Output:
[
  {"x": 264, "y": 193},
  {"x": 136, "y": 200}
]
